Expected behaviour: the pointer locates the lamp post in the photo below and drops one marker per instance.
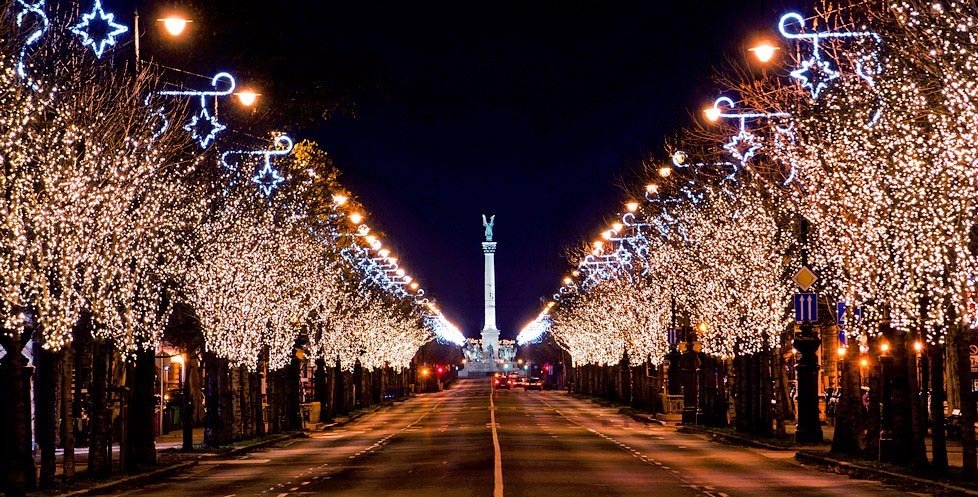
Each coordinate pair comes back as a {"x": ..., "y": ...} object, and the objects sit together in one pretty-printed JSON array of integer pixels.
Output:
[
  {"x": 886, "y": 405},
  {"x": 186, "y": 407},
  {"x": 174, "y": 25},
  {"x": 690, "y": 367}
]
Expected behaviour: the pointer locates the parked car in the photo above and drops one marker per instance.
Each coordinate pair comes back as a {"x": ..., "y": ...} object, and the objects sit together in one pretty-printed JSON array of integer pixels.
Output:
[{"x": 533, "y": 383}]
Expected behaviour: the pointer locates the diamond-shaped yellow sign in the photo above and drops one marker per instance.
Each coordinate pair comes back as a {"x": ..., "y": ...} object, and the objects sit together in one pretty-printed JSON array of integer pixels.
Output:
[{"x": 804, "y": 278}]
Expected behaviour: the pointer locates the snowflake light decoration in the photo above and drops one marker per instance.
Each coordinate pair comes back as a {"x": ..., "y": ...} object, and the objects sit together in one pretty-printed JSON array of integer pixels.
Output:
[
  {"x": 267, "y": 178},
  {"x": 815, "y": 72},
  {"x": 744, "y": 145},
  {"x": 203, "y": 127},
  {"x": 98, "y": 29},
  {"x": 680, "y": 159}
]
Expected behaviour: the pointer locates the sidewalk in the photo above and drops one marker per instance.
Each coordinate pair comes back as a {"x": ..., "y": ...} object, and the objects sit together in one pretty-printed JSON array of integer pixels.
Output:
[
  {"x": 172, "y": 460},
  {"x": 819, "y": 454}
]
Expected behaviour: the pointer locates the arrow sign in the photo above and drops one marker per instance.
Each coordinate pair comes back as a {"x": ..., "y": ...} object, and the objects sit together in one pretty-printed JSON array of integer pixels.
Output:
[
  {"x": 806, "y": 307},
  {"x": 840, "y": 321}
]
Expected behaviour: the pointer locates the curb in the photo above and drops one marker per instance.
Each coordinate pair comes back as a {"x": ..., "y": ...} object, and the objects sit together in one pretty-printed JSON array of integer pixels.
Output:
[
  {"x": 731, "y": 439},
  {"x": 642, "y": 418},
  {"x": 163, "y": 472},
  {"x": 244, "y": 449},
  {"x": 855, "y": 470},
  {"x": 132, "y": 480}
]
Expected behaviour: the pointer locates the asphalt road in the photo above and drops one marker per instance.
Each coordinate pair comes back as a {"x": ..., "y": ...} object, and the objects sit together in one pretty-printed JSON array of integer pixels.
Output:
[{"x": 541, "y": 444}]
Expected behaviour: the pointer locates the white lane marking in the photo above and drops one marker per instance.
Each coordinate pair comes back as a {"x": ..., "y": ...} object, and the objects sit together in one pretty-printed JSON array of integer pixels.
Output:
[
  {"x": 497, "y": 490},
  {"x": 235, "y": 461},
  {"x": 705, "y": 490}
]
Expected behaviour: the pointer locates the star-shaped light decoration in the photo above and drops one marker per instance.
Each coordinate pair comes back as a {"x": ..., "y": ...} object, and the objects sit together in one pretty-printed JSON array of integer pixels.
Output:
[
  {"x": 743, "y": 146},
  {"x": 203, "y": 127},
  {"x": 268, "y": 178},
  {"x": 815, "y": 74},
  {"x": 98, "y": 29}
]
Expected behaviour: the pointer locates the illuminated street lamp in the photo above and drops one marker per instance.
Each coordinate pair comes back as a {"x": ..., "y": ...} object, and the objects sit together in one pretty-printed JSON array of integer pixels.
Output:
[
  {"x": 764, "y": 51},
  {"x": 712, "y": 114},
  {"x": 247, "y": 97},
  {"x": 174, "y": 25}
]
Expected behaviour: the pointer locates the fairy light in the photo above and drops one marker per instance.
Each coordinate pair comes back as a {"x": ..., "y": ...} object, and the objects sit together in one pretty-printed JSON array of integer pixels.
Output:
[
  {"x": 881, "y": 165},
  {"x": 118, "y": 230}
]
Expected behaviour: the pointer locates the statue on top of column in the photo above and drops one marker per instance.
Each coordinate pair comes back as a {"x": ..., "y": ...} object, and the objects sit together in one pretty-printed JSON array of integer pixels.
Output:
[{"x": 488, "y": 225}]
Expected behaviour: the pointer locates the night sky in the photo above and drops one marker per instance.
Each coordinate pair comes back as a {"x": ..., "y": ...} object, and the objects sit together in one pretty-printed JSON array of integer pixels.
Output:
[{"x": 437, "y": 112}]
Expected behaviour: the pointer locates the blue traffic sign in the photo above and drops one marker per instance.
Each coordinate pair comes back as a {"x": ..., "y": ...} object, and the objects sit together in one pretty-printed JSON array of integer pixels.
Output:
[
  {"x": 673, "y": 337},
  {"x": 806, "y": 307},
  {"x": 840, "y": 321}
]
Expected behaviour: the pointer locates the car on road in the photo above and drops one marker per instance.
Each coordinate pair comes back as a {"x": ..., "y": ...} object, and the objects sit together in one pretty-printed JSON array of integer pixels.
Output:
[
  {"x": 533, "y": 383},
  {"x": 503, "y": 382}
]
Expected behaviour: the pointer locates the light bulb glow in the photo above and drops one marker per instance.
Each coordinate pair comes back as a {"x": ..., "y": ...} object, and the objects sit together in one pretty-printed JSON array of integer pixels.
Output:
[
  {"x": 174, "y": 25},
  {"x": 247, "y": 97},
  {"x": 764, "y": 52}
]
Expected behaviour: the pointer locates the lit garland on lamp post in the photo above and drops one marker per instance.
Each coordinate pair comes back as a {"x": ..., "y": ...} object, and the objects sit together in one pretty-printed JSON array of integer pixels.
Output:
[
  {"x": 202, "y": 126},
  {"x": 745, "y": 144},
  {"x": 268, "y": 178},
  {"x": 815, "y": 73}
]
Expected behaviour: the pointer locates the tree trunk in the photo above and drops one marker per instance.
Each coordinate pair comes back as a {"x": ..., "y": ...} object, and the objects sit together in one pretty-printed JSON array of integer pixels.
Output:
[
  {"x": 100, "y": 433},
  {"x": 969, "y": 468},
  {"x": 901, "y": 400},
  {"x": 195, "y": 386},
  {"x": 293, "y": 395},
  {"x": 213, "y": 430},
  {"x": 67, "y": 407},
  {"x": 46, "y": 364},
  {"x": 766, "y": 390},
  {"x": 321, "y": 389},
  {"x": 357, "y": 384},
  {"x": 140, "y": 440},
  {"x": 329, "y": 405},
  {"x": 872, "y": 448},
  {"x": 849, "y": 411},
  {"x": 936, "y": 354},
  {"x": 339, "y": 390},
  {"x": 742, "y": 401},
  {"x": 236, "y": 403},
  {"x": 918, "y": 410},
  {"x": 16, "y": 453}
]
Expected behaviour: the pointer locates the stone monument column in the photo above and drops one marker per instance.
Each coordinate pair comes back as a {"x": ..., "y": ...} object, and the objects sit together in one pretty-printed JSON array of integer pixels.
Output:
[{"x": 490, "y": 334}]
